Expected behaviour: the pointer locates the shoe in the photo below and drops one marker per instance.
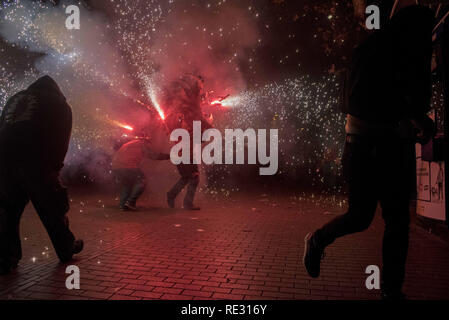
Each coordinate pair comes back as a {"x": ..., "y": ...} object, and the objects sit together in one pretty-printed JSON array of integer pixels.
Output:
[
  {"x": 191, "y": 207},
  {"x": 130, "y": 206},
  {"x": 313, "y": 254},
  {"x": 78, "y": 246},
  {"x": 170, "y": 201}
]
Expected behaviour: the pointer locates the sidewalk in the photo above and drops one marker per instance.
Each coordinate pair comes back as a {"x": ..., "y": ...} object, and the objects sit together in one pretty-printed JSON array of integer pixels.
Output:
[{"x": 246, "y": 248}]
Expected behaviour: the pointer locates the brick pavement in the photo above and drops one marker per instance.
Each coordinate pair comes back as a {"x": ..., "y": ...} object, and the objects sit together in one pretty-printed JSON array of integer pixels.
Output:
[{"x": 239, "y": 248}]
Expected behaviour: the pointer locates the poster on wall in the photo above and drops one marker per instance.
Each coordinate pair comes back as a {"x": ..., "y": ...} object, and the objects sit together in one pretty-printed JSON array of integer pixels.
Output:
[
  {"x": 430, "y": 188},
  {"x": 423, "y": 180}
]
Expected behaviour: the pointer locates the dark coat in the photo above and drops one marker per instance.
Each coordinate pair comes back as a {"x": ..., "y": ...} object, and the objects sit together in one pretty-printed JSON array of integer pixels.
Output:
[
  {"x": 389, "y": 77},
  {"x": 35, "y": 126}
]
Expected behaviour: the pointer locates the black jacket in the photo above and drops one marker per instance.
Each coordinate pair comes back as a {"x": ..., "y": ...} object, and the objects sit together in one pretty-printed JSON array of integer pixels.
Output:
[
  {"x": 35, "y": 126},
  {"x": 389, "y": 77}
]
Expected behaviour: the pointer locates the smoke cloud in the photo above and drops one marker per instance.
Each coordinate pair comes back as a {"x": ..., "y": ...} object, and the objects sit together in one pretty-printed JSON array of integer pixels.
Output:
[
  {"x": 119, "y": 53},
  {"x": 195, "y": 39}
]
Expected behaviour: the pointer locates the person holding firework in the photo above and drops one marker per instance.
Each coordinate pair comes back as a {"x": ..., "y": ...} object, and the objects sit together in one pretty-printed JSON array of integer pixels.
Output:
[
  {"x": 183, "y": 99},
  {"x": 126, "y": 167}
]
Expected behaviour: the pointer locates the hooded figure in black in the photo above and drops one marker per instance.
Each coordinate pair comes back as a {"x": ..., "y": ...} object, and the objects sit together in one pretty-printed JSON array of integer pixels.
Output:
[
  {"x": 386, "y": 97},
  {"x": 35, "y": 128}
]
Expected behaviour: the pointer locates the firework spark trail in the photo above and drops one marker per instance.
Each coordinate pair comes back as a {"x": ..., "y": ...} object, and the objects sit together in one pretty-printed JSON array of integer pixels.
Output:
[
  {"x": 310, "y": 126},
  {"x": 303, "y": 109},
  {"x": 37, "y": 26},
  {"x": 123, "y": 125},
  {"x": 63, "y": 52},
  {"x": 152, "y": 91}
]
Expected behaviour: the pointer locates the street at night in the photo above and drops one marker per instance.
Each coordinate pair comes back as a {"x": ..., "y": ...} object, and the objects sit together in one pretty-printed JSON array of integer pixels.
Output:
[
  {"x": 246, "y": 247},
  {"x": 228, "y": 151}
]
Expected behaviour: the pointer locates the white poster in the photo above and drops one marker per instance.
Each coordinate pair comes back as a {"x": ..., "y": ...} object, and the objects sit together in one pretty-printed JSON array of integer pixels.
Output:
[
  {"x": 423, "y": 180},
  {"x": 430, "y": 188}
]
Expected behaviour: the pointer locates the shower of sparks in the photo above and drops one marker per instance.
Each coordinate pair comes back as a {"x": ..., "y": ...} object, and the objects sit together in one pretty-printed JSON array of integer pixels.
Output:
[
  {"x": 310, "y": 127},
  {"x": 156, "y": 105},
  {"x": 122, "y": 65},
  {"x": 151, "y": 91}
]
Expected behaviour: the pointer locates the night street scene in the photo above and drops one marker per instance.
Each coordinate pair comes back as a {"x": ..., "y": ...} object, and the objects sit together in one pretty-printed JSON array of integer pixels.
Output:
[{"x": 235, "y": 150}]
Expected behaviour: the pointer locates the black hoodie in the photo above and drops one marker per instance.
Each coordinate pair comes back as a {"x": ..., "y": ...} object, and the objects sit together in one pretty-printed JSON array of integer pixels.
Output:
[
  {"x": 389, "y": 78},
  {"x": 35, "y": 126}
]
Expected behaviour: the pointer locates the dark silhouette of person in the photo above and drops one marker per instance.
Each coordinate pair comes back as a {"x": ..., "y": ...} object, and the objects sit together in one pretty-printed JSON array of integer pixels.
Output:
[
  {"x": 126, "y": 167},
  {"x": 35, "y": 129},
  {"x": 184, "y": 98},
  {"x": 387, "y": 94}
]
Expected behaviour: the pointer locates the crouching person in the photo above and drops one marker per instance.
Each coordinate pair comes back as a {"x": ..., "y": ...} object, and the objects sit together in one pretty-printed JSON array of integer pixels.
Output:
[
  {"x": 35, "y": 129},
  {"x": 126, "y": 167}
]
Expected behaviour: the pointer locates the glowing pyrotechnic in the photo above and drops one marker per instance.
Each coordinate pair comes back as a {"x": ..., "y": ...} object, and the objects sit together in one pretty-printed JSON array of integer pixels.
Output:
[
  {"x": 226, "y": 101},
  {"x": 127, "y": 127},
  {"x": 151, "y": 93},
  {"x": 124, "y": 126},
  {"x": 156, "y": 105},
  {"x": 219, "y": 101}
]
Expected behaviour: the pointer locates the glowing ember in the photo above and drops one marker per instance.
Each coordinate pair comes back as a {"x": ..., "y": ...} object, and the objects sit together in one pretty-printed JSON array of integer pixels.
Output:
[
  {"x": 226, "y": 101},
  {"x": 220, "y": 101},
  {"x": 124, "y": 126}
]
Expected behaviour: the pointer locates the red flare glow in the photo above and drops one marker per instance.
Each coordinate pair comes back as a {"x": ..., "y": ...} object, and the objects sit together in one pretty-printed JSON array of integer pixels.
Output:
[
  {"x": 222, "y": 102},
  {"x": 124, "y": 126}
]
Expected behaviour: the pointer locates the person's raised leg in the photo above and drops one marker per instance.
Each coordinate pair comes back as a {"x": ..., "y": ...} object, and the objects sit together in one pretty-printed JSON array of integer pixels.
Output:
[{"x": 359, "y": 165}]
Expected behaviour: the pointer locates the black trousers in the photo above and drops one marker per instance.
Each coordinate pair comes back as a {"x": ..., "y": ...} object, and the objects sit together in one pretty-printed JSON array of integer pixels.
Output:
[
  {"x": 190, "y": 176},
  {"x": 19, "y": 185},
  {"x": 378, "y": 170}
]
